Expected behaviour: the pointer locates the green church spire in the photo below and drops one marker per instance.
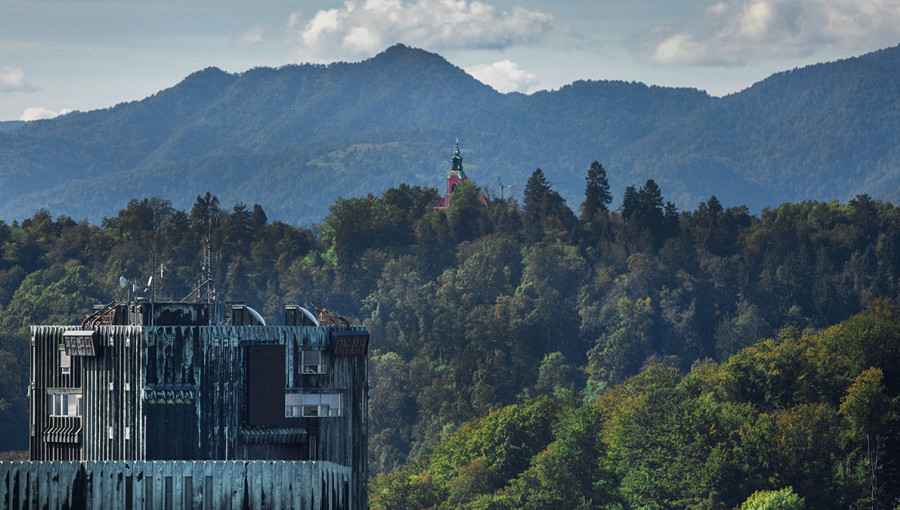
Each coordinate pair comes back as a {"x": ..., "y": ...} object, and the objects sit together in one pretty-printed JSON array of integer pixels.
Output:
[{"x": 457, "y": 167}]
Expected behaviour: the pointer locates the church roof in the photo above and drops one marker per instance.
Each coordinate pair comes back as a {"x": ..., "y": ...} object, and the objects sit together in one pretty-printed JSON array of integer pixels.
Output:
[{"x": 457, "y": 167}]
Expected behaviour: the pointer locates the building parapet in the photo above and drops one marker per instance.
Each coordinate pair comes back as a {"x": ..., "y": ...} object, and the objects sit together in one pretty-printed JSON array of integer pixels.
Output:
[{"x": 304, "y": 485}]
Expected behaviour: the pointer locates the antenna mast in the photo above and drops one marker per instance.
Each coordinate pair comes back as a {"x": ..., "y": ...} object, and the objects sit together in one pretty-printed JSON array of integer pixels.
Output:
[{"x": 210, "y": 289}]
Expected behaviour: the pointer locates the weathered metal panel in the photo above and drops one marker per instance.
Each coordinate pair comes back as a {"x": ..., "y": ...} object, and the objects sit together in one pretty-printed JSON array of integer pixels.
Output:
[
  {"x": 4, "y": 488},
  {"x": 40, "y": 485},
  {"x": 105, "y": 382},
  {"x": 181, "y": 392},
  {"x": 47, "y": 376}
]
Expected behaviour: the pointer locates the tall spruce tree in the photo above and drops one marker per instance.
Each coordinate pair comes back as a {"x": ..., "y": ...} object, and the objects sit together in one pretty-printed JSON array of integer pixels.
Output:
[
  {"x": 650, "y": 197},
  {"x": 630, "y": 203},
  {"x": 536, "y": 189},
  {"x": 597, "y": 196},
  {"x": 670, "y": 220}
]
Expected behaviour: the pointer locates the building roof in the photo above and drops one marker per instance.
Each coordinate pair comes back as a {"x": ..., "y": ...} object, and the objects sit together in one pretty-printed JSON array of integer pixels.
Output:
[{"x": 456, "y": 167}]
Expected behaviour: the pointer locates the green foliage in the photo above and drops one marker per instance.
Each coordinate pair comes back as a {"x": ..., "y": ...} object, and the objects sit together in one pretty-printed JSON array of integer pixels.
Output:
[
  {"x": 467, "y": 213},
  {"x": 505, "y": 440},
  {"x": 490, "y": 305},
  {"x": 722, "y": 436},
  {"x": 597, "y": 196},
  {"x": 60, "y": 294},
  {"x": 785, "y": 499},
  {"x": 556, "y": 377},
  {"x": 865, "y": 406},
  {"x": 405, "y": 490},
  {"x": 620, "y": 352}
]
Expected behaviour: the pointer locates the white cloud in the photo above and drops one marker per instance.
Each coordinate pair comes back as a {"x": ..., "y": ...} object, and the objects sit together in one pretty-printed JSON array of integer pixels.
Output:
[
  {"x": 252, "y": 36},
  {"x": 40, "y": 113},
  {"x": 362, "y": 28},
  {"x": 504, "y": 76},
  {"x": 12, "y": 79},
  {"x": 738, "y": 31}
]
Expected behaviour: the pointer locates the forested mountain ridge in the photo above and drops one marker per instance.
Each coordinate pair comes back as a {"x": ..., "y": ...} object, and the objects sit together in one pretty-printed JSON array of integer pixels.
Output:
[
  {"x": 295, "y": 138},
  {"x": 10, "y": 125},
  {"x": 806, "y": 122}
]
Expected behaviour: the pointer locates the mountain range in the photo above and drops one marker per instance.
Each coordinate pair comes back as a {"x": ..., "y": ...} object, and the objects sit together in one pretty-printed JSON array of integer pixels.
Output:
[{"x": 296, "y": 138}]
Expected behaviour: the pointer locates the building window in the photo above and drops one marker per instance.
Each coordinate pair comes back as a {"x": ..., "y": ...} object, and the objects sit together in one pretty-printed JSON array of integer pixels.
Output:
[
  {"x": 65, "y": 404},
  {"x": 80, "y": 343},
  {"x": 313, "y": 405},
  {"x": 312, "y": 362},
  {"x": 65, "y": 362}
]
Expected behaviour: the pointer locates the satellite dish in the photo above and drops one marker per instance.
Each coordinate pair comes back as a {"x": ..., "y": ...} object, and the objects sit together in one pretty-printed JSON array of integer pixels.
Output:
[
  {"x": 310, "y": 316},
  {"x": 255, "y": 315},
  {"x": 123, "y": 281}
]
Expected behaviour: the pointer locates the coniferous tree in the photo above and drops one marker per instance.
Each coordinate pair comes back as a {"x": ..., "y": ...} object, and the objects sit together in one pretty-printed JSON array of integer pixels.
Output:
[
  {"x": 650, "y": 198},
  {"x": 535, "y": 191},
  {"x": 239, "y": 229},
  {"x": 596, "y": 193},
  {"x": 630, "y": 203},
  {"x": 651, "y": 207},
  {"x": 670, "y": 219},
  {"x": 258, "y": 218}
]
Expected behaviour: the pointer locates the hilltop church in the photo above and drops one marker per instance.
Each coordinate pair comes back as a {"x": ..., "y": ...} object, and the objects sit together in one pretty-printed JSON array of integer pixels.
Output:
[{"x": 454, "y": 177}]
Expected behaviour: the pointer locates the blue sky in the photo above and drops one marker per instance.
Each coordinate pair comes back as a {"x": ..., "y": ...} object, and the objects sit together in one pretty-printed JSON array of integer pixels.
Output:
[{"x": 61, "y": 55}]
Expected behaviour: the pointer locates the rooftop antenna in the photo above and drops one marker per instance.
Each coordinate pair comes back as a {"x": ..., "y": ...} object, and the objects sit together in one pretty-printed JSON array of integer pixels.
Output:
[
  {"x": 502, "y": 187},
  {"x": 206, "y": 280},
  {"x": 130, "y": 289},
  {"x": 207, "y": 267},
  {"x": 124, "y": 283},
  {"x": 212, "y": 298},
  {"x": 150, "y": 286}
]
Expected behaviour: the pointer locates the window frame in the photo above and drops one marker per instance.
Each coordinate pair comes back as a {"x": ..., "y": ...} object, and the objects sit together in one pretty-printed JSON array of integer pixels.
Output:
[
  {"x": 314, "y": 405},
  {"x": 65, "y": 362},
  {"x": 66, "y": 405},
  {"x": 309, "y": 368}
]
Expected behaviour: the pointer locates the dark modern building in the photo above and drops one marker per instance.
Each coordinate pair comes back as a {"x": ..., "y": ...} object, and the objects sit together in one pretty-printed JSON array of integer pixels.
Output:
[{"x": 172, "y": 381}]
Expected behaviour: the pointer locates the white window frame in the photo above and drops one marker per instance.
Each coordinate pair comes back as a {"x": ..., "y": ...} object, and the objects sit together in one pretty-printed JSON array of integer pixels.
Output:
[
  {"x": 65, "y": 404},
  {"x": 313, "y": 405},
  {"x": 65, "y": 362},
  {"x": 312, "y": 362}
]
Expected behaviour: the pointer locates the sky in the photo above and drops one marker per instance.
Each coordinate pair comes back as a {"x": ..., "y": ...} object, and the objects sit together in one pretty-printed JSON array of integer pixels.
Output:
[{"x": 62, "y": 55}]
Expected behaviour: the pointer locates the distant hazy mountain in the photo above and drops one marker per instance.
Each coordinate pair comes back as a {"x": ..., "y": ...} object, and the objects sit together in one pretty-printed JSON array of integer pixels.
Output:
[
  {"x": 294, "y": 139},
  {"x": 10, "y": 125}
]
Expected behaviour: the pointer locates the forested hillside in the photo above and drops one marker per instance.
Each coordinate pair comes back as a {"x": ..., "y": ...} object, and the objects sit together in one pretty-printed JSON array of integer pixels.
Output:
[
  {"x": 493, "y": 303},
  {"x": 807, "y": 421},
  {"x": 294, "y": 139}
]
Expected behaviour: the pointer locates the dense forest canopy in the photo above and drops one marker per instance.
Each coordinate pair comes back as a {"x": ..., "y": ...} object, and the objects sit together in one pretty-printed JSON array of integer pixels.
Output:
[
  {"x": 798, "y": 421},
  {"x": 295, "y": 138},
  {"x": 605, "y": 330}
]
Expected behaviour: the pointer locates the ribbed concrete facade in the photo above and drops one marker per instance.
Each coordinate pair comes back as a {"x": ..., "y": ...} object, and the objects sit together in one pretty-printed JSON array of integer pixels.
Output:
[
  {"x": 189, "y": 392},
  {"x": 227, "y": 485}
]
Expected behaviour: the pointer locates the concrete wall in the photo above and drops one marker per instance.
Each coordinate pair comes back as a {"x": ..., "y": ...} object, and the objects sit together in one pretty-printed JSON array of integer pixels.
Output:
[{"x": 226, "y": 485}]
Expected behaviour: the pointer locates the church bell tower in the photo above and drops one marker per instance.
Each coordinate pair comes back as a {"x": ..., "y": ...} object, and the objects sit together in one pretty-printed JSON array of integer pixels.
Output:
[{"x": 454, "y": 177}]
